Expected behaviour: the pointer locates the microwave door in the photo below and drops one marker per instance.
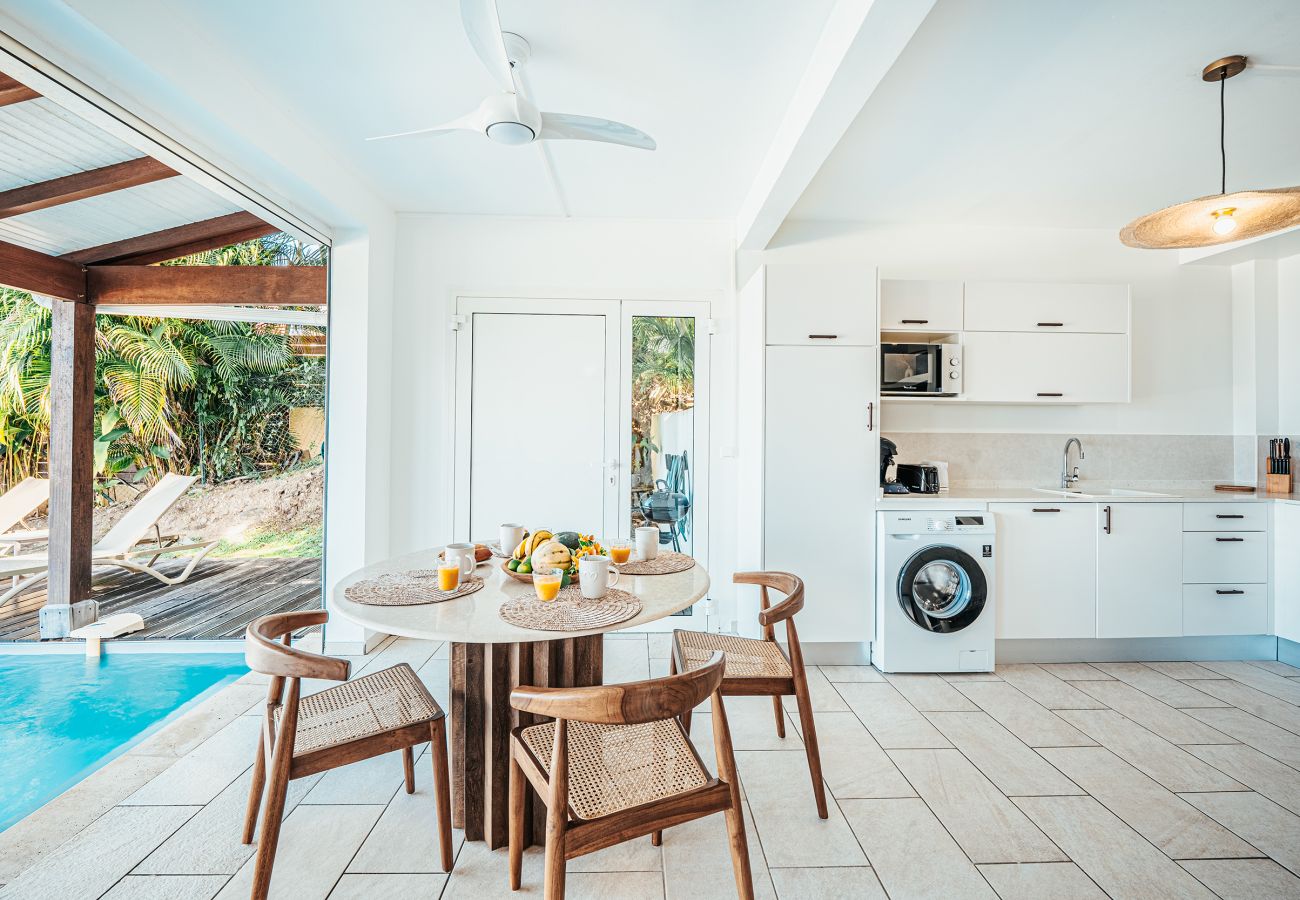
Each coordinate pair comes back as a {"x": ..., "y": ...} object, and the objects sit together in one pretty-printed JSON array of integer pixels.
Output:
[{"x": 909, "y": 370}]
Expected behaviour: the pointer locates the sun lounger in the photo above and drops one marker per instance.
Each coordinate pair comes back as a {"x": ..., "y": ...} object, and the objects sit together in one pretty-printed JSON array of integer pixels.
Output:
[{"x": 17, "y": 503}]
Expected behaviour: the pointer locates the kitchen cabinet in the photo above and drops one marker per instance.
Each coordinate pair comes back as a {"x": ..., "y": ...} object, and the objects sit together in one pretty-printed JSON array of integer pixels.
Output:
[
  {"x": 1046, "y": 570},
  {"x": 1013, "y": 367},
  {"x": 1225, "y": 517},
  {"x": 930, "y": 306},
  {"x": 1139, "y": 570},
  {"x": 1213, "y": 557},
  {"x": 831, "y": 305},
  {"x": 1054, "y": 307},
  {"x": 820, "y": 469},
  {"x": 1286, "y": 571},
  {"x": 1210, "y": 609}
]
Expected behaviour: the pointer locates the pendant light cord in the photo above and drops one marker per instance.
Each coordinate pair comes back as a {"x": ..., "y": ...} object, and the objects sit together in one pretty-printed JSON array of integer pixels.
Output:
[{"x": 1223, "y": 152}]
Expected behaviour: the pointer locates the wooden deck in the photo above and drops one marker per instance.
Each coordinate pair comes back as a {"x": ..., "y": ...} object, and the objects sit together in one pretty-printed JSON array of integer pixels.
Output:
[{"x": 218, "y": 600}]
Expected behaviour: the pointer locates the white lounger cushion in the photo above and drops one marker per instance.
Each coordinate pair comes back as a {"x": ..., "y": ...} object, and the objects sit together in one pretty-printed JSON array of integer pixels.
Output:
[
  {"x": 21, "y": 500},
  {"x": 111, "y": 627}
]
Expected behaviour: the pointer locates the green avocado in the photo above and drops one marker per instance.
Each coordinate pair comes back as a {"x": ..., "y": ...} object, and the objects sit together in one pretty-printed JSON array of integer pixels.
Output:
[{"x": 569, "y": 539}]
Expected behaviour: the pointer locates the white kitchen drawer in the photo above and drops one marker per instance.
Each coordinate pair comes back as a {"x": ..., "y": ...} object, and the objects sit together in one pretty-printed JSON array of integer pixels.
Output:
[
  {"x": 1225, "y": 609},
  {"x": 1212, "y": 557},
  {"x": 920, "y": 305},
  {"x": 1225, "y": 517},
  {"x": 1013, "y": 306},
  {"x": 1010, "y": 367},
  {"x": 831, "y": 305}
]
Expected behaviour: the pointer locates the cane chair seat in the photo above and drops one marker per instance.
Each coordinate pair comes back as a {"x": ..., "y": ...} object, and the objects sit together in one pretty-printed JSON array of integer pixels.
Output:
[
  {"x": 616, "y": 767},
  {"x": 362, "y": 708},
  {"x": 746, "y": 657}
]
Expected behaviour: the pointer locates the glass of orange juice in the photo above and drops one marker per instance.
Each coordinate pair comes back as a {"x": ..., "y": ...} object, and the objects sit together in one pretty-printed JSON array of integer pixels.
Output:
[
  {"x": 547, "y": 584},
  {"x": 449, "y": 576},
  {"x": 620, "y": 551}
]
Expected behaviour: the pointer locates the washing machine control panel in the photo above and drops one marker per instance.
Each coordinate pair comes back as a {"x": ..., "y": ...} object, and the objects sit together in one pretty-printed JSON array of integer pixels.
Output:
[{"x": 956, "y": 523}]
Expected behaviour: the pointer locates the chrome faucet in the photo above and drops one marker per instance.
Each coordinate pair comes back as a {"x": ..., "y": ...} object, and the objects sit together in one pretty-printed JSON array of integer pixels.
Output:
[{"x": 1070, "y": 477}]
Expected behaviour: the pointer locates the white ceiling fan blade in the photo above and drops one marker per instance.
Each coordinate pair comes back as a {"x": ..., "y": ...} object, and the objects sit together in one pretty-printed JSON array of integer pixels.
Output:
[
  {"x": 562, "y": 126},
  {"x": 469, "y": 122},
  {"x": 483, "y": 26}
]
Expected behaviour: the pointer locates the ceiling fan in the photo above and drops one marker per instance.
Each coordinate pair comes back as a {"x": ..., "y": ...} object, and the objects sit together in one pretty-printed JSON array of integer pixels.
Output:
[{"x": 510, "y": 117}]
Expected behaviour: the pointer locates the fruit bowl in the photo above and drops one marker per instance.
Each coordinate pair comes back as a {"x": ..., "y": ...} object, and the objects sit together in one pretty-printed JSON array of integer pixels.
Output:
[{"x": 527, "y": 577}]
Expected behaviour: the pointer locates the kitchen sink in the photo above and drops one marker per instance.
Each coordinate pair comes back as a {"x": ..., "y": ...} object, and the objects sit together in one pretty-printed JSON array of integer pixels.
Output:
[{"x": 1099, "y": 493}]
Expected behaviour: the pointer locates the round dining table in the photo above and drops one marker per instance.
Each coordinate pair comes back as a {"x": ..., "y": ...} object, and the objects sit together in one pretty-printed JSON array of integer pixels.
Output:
[{"x": 490, "y": 657}]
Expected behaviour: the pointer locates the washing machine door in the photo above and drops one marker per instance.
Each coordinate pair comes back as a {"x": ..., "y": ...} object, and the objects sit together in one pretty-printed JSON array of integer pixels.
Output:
[{"x": 942, "y": 589}]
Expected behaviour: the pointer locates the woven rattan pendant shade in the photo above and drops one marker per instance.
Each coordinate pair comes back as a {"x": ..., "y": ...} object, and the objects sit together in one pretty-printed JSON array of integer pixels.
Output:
[{"x": 1191, "y": 224}]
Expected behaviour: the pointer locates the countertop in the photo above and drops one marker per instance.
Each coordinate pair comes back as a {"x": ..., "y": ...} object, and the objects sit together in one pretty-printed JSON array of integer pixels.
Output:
[{"x": 976, "y": 497}]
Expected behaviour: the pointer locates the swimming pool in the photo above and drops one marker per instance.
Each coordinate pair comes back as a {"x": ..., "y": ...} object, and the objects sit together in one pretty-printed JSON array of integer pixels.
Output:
[{"x": 62, "y": 717}]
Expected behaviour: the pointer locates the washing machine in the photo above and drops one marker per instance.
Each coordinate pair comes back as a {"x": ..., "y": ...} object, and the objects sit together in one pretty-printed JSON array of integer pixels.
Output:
[{"x": 934, "y": 592}]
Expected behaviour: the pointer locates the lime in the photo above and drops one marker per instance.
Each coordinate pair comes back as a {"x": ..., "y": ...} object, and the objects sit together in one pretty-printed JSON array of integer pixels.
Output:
[
  {"x": 525, "y": 568},
  {"x": 513, "y": 565}
]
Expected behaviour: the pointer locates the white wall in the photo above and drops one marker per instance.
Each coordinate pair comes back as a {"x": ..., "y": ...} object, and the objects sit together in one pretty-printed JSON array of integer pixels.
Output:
[{"x": 1182, "y": 318}]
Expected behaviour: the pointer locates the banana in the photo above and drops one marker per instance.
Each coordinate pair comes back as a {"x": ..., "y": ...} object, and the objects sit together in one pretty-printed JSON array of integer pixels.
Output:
[
  {"x": 521, "y": 551},
  {"x": 541, "y": 537}
]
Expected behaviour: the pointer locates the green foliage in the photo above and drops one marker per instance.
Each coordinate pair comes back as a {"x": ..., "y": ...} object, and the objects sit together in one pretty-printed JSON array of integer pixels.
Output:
[{"x": 308, "y": 541}]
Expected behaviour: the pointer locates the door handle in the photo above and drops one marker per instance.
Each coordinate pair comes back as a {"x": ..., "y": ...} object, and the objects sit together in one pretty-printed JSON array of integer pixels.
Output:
[
  {"x": 871, "y": 416},
  {"x": 915, "y": 321},
  {"x": 1046, "y": 509},
  {"x": 1106, "y": 527},
  {"x": 1229, "y": 540},
  {"x": 1051, "y": 324},
  {"x": 1233, "y": 591},
  {"x": 1050, "y": 394},
  {"x": 1223, "y": 516},
  {"x": 822, "y": 337}
]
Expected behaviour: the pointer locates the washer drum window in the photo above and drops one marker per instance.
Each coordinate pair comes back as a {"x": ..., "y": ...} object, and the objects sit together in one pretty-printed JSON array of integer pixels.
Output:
[{"x": 942, "y": 589}]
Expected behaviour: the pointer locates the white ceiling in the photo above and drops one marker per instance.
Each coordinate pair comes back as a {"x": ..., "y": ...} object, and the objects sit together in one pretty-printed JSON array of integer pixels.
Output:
[
  {"x": 1070, "y": 114},
  {"x": 709, "y": 80}
]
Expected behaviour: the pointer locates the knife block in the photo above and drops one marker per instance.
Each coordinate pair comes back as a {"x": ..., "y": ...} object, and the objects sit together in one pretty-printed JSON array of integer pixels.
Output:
[{"x": 1277, "y": 484}]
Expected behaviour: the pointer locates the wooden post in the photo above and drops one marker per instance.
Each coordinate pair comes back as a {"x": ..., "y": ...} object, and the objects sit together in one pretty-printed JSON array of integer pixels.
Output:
[{"x": 72, "y": 469}]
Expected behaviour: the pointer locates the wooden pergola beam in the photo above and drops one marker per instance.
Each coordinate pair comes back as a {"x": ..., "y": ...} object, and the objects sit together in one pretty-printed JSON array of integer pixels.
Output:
[
  {"x": 82, "y": 185},
  {"x": 173, "y": 243},
  {"x": 14, "y": 92},
  {"x": 39, "y": 273},
  {"x": 218, "y": 285}
]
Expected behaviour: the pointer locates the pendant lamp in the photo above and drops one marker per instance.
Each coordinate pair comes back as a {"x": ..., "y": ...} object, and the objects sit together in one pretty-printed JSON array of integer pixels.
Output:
[{"x": 1222, "y": 217}]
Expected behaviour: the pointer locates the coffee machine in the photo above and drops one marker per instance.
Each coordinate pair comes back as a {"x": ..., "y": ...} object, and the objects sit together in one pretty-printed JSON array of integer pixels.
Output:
[{"x": 888, "y": 450}]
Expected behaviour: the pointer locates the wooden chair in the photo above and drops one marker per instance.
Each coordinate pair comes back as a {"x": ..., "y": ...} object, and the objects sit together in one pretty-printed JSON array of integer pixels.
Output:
[
  {"x": 378, "y": 713},
  {"x": 616, "y": 764},
  {"x": 759, "y": 667}
]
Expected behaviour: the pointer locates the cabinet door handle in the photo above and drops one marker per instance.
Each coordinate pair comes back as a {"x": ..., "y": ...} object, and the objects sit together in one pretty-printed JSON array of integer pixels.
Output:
[
  {"x": 1233, "y": 591},
  {"x": 1106, "y": 527},
  {"x": 1051, "y": 324},
  {"x": 915, "y": 321},
  {"x": 1046, "y": 509},
  {"x": 871, "y": 416},
  {"x": 822, "y": 337},
  {"x": 1050, "y": 394},
  {"x": 1229, "y": 540},
  {"x": 1222, "y": 516}
]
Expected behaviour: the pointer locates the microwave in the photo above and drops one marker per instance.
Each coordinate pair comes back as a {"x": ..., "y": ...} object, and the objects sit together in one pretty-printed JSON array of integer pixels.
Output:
[{"x": 908, "y": 370}]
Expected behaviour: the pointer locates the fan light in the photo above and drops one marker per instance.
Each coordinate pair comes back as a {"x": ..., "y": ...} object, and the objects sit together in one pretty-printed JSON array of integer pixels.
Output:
[
  {"x": 512, "y": 133},
  {"x": 1221, "y": 217}
]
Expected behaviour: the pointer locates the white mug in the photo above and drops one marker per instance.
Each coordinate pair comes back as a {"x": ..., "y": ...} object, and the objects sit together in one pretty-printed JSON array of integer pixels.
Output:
[
  {"x": 596, "y": 574},
  {"x": 463, "y": 556},
  {"x": 511, "y": 536},
  {"x": 647, "y": 542}
]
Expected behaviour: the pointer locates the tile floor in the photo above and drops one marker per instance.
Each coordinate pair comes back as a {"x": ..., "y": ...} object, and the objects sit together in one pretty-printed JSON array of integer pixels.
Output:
[{"x": 1126, "y": 780}]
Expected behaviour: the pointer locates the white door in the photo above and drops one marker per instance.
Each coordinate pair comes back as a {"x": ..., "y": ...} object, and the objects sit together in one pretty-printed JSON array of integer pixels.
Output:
[
  {"x": 1140, "y": 570},
  {"x": 1047, "y": 570}
]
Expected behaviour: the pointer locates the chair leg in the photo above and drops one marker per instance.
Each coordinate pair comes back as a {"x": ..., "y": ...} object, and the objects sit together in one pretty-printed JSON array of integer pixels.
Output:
[
  {"x": 272, "y": 814},
  {"x": 657, "y": 838},
  {"x": 555, "y": 859},
  {"x": 408, "y": 768},
  {"x": 739, "y": 848},
  {"x": 441, "y": 788},
  {"x": 810, "y": 741},
  {"x": 517, "y": 800},
  {"x": 255, "y": 793},
  {"x": 780, "y": 716}
]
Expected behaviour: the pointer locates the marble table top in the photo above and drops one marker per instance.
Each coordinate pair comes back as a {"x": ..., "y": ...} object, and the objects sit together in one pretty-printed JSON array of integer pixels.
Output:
[{"x": 473, "y": 619}]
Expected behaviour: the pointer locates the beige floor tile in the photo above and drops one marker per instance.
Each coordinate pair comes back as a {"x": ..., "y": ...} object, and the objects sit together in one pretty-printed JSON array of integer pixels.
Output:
[
  {"x": 1245, "y": 879},
  {"x": 442, "y": 650},
  {"x": 1045, "y": 688},
  {"x": 1182, "y": 670},
  {"x": 853, "y": 764},
  {"x": 697, "y": 860},
  {"x": 1257, "y": 819},
  {"x": 1028, "y": 720},
  {"x": 315, "y": 845},
  {"x": 781, "y": 802},
  {"x": 405, "y": 839},
  {"x": 1263, "y": 736},
  {"x": 482, "y": 873},
  {"x": 1178, "y": 694},
  {"x": 821, "y": 692},
  {"x": 1277, "y": 667},
  {"x": 1254, "y": 701},
  {"x": 626, "y": 660},
  {"x": 660, "y": 646},
  {"x": 1159, "y": 815},
  {"x": 1076, "y": 671},
  {"x": 415, "y": 653},
  {"x": 930, "y": 693},
  {"x": 208, "y": 844},
  {"x": 837, "y": 674},
  {"x": 370, "y": 782},
  {"x": 752, "y": 721},
  {"x": 1171, "y": 766},
  {"x": 100, "y": 855},
  {"x": 912, "y": 854},
  {"x": 1171, "y": 724},
  {"x": 637, "y": 855},
  {"x": 980, "y": 818},
  {"x": 1258, "y": 771},
  {"x": 1116, "y": 857},
  {"x": 1041, "y": 881},
  {"x": 388, "y": 887},
  {"x": 827, "y": 884},
  {"x": 1001, "y": 756},
  {"x": 660, "y": 668},
  {"x": 892, "y": 721},
  {"x": 613, "y": 886},
  {"x": 166, "y": 887},
  {"x": 1261, "y": 679},
  {"x": 959, "y": 677},
  {"x": 205, "y": 771}
]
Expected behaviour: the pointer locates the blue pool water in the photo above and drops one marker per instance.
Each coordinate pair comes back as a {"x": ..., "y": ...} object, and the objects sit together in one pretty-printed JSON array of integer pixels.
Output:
[{"x": 62, "y": 717}]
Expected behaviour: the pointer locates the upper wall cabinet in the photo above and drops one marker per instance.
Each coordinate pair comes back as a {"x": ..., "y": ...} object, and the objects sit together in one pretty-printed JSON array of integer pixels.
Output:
[
  {"x": 920, "y": 305},
  {"x": 831, "y": 305},
  {"x": 1009, "y": 367},
  {"x": 1013, "y": 306}
]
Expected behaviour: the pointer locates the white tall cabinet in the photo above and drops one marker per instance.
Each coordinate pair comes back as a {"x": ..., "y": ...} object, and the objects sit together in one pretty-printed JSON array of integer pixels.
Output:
[{"x": 1286, "y": 571}]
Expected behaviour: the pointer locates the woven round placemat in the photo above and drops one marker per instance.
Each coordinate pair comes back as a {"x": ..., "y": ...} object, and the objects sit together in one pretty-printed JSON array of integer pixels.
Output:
[
  {"x": 663, "y": 564},
  {"x": 570, "y": 611},
  {"x": 408, "y": 589}
]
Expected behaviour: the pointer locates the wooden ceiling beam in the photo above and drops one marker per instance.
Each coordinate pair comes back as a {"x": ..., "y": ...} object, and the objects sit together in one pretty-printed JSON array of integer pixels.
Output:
[
  {"x": 173, "y": 243},
  {"x": 82, "y": 185},
  {"x": 14, "y": 92},
  {"x": 213, "y": 285},
  {"x": 38, "y": 273}
]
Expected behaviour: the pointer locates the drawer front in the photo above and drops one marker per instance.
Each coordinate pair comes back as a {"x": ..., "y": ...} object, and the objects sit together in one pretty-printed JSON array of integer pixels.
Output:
[
  {"x": 1012, "y": 306},
  {"x": 1225, "y": 609},
  {"x": 920, "y": 305},
  {"x": 1214, "y": 557},
  {"x": 1225, "y": 517}
]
